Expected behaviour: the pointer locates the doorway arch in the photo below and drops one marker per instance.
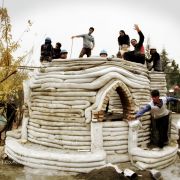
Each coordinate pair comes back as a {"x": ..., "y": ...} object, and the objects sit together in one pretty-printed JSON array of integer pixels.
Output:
[{"x": 128, "y": 103}]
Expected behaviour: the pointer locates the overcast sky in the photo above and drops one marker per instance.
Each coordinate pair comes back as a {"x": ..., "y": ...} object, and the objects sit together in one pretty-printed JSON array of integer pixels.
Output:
[{"x": 60, "y": 19}]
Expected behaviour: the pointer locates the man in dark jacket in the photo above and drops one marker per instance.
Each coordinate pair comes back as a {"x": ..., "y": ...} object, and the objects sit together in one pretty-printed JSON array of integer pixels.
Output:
[
  {"x": 138, "y": 55},
  {"x": 155, "y": 58},
  {"x": 57, "y": 51},
  {"x": 123, "y": 39},
  {"x": 46, "y": 51}
]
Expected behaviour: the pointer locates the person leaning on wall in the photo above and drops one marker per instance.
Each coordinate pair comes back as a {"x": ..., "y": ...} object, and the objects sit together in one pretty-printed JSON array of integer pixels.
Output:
[{"x": 160, "y": 117}]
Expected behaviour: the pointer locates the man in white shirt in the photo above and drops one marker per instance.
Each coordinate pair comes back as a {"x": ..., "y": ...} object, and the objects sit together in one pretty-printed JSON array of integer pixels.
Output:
[
  {"x": 160, "y": 116},
  {"x": 88, "y": 43}
]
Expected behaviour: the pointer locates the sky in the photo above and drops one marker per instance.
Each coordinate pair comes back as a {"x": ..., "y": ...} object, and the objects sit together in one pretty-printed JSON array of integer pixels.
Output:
[{"x": 61, "y": 19}]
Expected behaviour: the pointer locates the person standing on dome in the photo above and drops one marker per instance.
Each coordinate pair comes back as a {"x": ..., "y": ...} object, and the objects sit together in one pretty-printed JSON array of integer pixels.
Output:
[
  {"x": 103, "y": 53},
  {"x": 123, "y": 42},
  {"x": 155, "y": 59},
  {"x": 57, "y": 51},
  {"x": 138, "y": 54},
  {"x": 88, "y": 43},
  {"x": 46, "y": 51},
  {"x": 63, "y": 54}
]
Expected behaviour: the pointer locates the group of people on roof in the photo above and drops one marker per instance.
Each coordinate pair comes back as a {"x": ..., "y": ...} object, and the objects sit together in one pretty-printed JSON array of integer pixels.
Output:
[
  {"x": 157, "y": 106},
  {"x": 48, "y": 52},
  {"x": 137, "y": 55}
]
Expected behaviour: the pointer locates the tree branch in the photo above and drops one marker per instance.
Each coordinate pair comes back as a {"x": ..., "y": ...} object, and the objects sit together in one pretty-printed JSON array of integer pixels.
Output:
[{"x": 8, "y": 76}]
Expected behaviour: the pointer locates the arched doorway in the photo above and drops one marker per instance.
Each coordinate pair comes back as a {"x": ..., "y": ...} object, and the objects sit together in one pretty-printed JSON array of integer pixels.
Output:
[
  {"x": 121, "y": 92},
  {"x": 114, "y": 125}
]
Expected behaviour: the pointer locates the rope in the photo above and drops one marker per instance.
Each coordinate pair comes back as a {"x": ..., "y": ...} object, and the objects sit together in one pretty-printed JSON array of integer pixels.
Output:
[{"x": 71, "y": 48}]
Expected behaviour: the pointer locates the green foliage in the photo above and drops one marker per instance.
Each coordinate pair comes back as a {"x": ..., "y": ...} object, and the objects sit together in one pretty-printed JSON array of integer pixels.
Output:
[
  {"x": 171, "y": 69},
  {"x": 10, "y": 77}
]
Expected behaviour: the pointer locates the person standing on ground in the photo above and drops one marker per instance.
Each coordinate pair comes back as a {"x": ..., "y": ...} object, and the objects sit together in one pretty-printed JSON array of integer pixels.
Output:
[
  {"x": 160, "y": 117},
  {"x": 138, "y": 54},
  {"x": 155, "y": 58},
  {"x": 123, "y": 42},
  {"x": 88, "y": 43}
]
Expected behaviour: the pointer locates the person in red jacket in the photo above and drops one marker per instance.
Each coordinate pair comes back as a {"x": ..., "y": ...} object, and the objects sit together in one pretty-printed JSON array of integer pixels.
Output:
[{"x": 138, "y": 54}]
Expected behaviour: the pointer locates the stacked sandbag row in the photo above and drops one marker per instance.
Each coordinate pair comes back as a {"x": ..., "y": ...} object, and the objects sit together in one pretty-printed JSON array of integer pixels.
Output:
[
  {"x": 56, "y": 91},
  {"x": 115, "y": 105},
  {"x": 144, "y": 132},
  {"x": 115, "y": 139},
  {"x": 146, "y": 158},
  {"x": 174, "y": 133},
  {"x": 61, "y": 135},
  {"x": 90, "y": 78},
  {"x": 57, "y": 120},
  {"x": 155, "y": 159},
  {"x": 158, "y": 81},
  {"x": 15, "y": 133},
  {"x": 142, "y": 97},
  {"x": 66, "y": 99},
  {"x": 35, "y": 156}
]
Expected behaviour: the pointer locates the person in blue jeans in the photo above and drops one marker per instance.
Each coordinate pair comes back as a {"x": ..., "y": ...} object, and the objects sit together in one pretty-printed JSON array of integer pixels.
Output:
[{"x": 160, "y": 116}]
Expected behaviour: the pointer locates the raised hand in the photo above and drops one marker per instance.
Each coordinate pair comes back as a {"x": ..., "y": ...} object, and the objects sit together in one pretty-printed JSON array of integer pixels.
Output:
[{"x": 136, "y": 27}]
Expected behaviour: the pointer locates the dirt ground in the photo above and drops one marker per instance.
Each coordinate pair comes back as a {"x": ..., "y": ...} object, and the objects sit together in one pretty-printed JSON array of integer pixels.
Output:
[{"x": 10, "y": 170}]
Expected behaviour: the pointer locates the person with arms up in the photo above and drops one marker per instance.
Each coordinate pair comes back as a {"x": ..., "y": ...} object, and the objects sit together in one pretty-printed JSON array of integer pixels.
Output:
[
  {"x": 138, "y": 54},
  {"x": 160, "y": 117},
  {"x": 88, "y": 43}
]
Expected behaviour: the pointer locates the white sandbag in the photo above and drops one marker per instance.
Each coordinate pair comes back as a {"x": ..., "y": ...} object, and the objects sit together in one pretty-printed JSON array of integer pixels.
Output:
[
  {"x": 56, "y": 163},
  {"x": 52, "y": 111},
  {"x": 115, "y": 147},
  {"x": 24, "y": 128},
  {"x": 153, "y": 160},
  {"x": 154, "y": 165},
  {"x": 65, "y": 94},
  {"x": 114, "y": 143},
  {"x": 116, "y": 124},
  {"x": 117, "y": 158}
]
